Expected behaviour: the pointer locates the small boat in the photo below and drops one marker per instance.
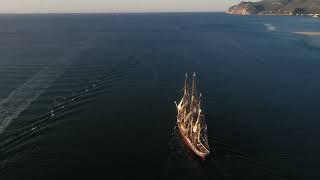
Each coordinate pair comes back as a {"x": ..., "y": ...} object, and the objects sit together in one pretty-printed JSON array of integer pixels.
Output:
[{"x": 190, "y": 120}]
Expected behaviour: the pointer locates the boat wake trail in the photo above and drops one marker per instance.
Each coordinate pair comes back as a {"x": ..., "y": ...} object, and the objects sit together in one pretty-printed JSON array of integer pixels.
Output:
[
  {"x": 270, "y": 27},
  {"x": 20, "y": 136},
  {"x": 21, "y": 98},
  {"x": 17, "y": 139}
]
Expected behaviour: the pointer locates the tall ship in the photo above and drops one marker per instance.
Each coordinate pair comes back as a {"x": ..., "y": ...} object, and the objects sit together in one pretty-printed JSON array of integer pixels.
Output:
[{"x": 190, "y": 119}]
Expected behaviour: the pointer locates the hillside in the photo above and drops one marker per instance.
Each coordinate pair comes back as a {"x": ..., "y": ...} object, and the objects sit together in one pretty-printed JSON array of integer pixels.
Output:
[{"x": 277, "y": 7}]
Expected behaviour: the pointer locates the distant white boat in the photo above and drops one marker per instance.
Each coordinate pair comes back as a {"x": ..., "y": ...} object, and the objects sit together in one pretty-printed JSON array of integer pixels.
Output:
[{"x": 315, "y": 16}]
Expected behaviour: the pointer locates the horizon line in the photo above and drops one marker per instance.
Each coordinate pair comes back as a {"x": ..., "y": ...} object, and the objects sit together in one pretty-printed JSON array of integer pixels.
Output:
[{"x": 111, "y": 12}]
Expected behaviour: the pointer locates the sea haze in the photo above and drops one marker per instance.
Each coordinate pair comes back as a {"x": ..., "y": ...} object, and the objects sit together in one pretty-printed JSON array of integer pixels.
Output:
[{"x": 92, "y": 96}]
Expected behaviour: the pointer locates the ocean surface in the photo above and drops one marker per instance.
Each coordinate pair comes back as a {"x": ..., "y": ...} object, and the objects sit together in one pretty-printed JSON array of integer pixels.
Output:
[{"x": 92, "y": 96}]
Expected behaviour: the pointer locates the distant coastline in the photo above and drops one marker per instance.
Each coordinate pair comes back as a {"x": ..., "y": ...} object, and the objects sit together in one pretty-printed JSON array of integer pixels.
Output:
[
  {"x": 277, "y": 8},
  {"x": 308, "y": 33}
]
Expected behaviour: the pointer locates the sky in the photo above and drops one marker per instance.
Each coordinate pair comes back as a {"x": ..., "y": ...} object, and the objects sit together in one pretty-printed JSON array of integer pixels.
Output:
[{"x": 82, "y": 6}]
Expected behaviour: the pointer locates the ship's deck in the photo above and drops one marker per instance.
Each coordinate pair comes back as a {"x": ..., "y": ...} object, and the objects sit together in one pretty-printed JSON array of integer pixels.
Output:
[{"x": 196, "y": 147}]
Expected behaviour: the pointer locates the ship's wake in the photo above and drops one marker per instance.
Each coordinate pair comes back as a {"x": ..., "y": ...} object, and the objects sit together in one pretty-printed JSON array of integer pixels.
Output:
[
  {"x": 21, "y": 98},
  {"x": 13, "y": 140},
  {"x": 270, "y": 27}
]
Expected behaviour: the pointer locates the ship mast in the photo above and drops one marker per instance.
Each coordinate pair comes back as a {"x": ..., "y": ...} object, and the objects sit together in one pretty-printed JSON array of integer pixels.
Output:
[
  {"x": 193, "y": 90},
  {"x": 184, "y": 100},
  {"x": 186, "y": 85},
  {"x": 194, "y": 105}
]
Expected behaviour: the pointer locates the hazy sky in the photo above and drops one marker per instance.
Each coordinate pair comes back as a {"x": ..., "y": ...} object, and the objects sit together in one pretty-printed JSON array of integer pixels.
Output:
[{"x": 43, "y": 6}]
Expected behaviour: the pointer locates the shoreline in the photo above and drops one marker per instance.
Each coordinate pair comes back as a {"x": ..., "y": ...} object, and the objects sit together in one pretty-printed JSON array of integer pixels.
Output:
[
  {"x": 308, "y": 33},
  {"x": 287, "y": 15}
]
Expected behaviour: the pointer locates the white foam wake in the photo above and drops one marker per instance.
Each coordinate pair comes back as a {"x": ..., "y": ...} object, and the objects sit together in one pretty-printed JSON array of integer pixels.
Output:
[
  {"x": 270, "y": 27},
  {"x": 21, "y": 98}
]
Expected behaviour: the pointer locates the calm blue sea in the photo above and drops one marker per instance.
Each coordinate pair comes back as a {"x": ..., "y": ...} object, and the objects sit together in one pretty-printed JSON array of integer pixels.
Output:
[{"x": 92, "y": 96}]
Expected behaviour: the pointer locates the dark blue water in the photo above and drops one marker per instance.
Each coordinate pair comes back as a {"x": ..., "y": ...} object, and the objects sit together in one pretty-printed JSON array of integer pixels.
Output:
[{"x": 92, "y": 96}]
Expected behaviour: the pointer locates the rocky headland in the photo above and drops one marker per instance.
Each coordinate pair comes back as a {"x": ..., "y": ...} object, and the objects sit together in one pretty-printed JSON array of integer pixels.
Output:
[{"x": 277, "y": 8}]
